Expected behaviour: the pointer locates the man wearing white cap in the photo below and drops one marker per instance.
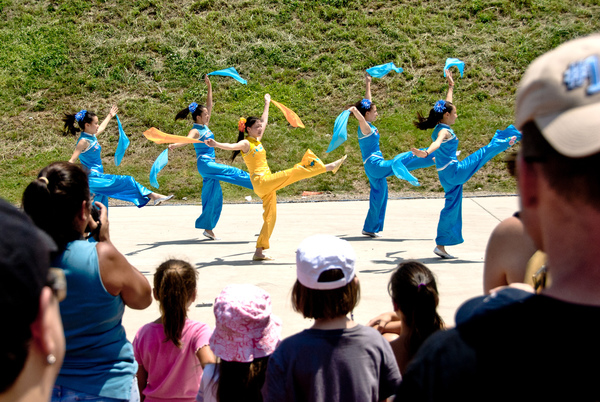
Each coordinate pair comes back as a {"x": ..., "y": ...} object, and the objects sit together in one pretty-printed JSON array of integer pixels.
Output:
[{"x": 547, "y": 346}]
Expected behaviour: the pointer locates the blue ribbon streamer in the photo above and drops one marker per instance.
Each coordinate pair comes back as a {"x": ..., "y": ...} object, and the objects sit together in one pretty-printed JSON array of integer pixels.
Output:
[
  {"x": 340, "y": 131},
  {"x": 122, "y": 145},
  {"x": 229, "y": 72},
  {"x": 158, "y": 165},
  {"x": 383, "y": 69},
  {"x": 450, "y": 61}
]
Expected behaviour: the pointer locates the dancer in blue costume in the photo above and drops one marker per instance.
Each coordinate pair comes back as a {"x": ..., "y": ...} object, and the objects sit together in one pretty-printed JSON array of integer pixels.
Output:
[
  {"x": 212, "y": 173},
  {"x": 88, "y": 150},
  {"x": 452, "y": 173},
  {"x": 376, "y": 167}
]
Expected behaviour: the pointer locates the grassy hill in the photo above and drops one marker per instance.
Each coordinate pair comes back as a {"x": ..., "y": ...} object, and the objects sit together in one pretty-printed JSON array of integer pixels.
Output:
[{"x": 148, "y": 56}]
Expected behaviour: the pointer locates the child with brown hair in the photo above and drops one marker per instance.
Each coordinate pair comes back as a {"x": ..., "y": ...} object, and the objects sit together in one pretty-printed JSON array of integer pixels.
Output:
[
  {"x": 336, "y": 359},
  {"x": 172, "y": 351}
]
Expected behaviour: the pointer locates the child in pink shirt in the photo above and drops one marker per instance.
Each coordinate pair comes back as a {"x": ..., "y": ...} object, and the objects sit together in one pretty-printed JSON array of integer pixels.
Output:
[{"x": 172, "y": 351}]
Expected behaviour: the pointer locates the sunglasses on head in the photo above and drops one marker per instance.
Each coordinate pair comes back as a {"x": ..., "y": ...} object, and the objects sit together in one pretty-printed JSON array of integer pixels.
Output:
[{"x": 57, "y": 282}]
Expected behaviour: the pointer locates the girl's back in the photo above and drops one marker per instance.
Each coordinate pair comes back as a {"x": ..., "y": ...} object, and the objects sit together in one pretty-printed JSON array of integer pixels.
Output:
[{"x": 173, "y": 373}]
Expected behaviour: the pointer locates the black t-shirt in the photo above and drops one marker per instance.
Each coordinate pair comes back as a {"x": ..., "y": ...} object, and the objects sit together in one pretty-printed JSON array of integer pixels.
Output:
[{"x": 538, "y": 348}]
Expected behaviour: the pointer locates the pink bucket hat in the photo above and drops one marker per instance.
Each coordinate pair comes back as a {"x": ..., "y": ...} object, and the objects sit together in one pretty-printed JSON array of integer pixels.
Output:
[{"x": 245, "y": 329}]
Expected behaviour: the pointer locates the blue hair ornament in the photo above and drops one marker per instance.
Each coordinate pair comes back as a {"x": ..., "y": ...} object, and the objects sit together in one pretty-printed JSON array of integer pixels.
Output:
[
  {"x": 440, "y": 106},
  {"x": 79, "y": 116},
  {"x": 192, "y": 107},
  {"x": 365, "y": 103}
]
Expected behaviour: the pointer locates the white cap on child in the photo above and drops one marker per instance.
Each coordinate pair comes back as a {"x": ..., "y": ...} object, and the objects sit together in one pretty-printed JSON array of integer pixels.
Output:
[{"x": 320, "y": 253}]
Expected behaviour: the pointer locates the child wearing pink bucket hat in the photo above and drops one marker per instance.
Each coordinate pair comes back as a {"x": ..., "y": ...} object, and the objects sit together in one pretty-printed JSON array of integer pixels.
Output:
[
  {"x": 336, "y": 359},
  {"x": 245, "y": 335}
]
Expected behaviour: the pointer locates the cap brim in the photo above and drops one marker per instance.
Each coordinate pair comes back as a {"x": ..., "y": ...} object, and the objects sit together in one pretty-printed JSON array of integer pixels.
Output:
[{"x": 581, "y": 124}]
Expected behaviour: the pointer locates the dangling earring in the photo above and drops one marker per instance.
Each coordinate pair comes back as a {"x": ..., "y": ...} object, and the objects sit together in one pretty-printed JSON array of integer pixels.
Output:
[{"x": 51, "y": 359}]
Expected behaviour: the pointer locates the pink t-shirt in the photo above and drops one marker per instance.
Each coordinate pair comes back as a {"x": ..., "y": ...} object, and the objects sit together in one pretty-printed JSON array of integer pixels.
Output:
[{"x": 174, "y": 374}]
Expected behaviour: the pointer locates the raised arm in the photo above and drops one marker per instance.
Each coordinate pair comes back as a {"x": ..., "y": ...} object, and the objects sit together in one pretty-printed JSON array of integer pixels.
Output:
[
  {"x": 243, "y": 145},
  {"x": 113, "y": 112},
  {"x": 209, "y": 97},
  {"x": 450, "y": 86},
  {"x": 119, "y": 277},
  {"x": 364, "y": 126},
  {"x": 368, "y": 86},
  {"x": 265, "y": 116}
]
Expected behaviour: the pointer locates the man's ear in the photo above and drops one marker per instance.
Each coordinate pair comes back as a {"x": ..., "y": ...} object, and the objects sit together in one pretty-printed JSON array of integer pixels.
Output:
[{"x": 528, "y": 182}]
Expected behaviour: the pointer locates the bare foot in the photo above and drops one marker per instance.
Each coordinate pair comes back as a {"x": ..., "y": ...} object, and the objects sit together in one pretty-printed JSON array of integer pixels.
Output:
[{"x": 335, "y": 166}]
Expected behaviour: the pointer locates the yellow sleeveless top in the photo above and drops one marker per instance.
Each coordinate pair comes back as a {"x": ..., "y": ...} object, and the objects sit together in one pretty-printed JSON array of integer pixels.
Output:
[{"x": 256, "y": 158}]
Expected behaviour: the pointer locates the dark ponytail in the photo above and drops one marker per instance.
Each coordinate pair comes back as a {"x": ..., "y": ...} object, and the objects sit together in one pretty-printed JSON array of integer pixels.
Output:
[
  {"x": 434, "y": 117},
  {"x": 71, "y": 119},
  {"x": 54, "y": 199},
  {"x": 174, "y": 286},
  {"x": 197, "y": 111},
  {"x": 414, "y": 292},
  {"x": 243, "y": 125}
]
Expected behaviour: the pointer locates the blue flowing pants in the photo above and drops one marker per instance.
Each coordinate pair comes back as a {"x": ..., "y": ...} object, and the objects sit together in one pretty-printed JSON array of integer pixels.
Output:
[
  {"x": 125, "y": 188},
  {"x": 212, "y": 196},
  {"x": 378, "y": 170},
  {"x": 449, "y": 231}
]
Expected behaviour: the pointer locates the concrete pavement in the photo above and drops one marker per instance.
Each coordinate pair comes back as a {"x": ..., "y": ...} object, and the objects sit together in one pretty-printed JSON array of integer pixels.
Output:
[{"x": 150, "y": 235}]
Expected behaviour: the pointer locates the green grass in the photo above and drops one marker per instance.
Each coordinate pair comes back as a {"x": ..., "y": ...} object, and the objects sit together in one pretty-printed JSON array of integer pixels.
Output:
[{"x": 148, "y": 56}]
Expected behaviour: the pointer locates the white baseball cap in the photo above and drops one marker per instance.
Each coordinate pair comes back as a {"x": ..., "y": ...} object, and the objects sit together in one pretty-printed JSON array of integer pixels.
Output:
[
  {"x": 560, "y": 91},
  {"x": 320, "y": 253}
]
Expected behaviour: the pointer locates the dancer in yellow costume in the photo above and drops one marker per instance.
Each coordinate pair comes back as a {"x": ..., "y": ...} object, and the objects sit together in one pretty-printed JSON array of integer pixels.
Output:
[{"x": 264, "y": 182}]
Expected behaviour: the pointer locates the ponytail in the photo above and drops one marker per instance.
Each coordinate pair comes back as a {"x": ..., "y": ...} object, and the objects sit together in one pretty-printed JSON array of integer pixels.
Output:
[
  {"x": 81, "y": 118},
  {"x": 435, "y": 115},
  {"x": 243, "y": 125},
  {"x": 174, "y": 287},
  {"x": 194, "y": 108},
  {"x": 414, "y": 292},
  {"x": 54, "y": 199}
]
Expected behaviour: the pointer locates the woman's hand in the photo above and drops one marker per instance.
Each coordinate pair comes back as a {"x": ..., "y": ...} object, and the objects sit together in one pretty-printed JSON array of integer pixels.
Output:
[
  {"x": 267, "y": 98},
  {"x": 99, "y": 228},
  {"x": 211, "y": 142},
  {"x": 449, "y": 77},
  {"x": 206, "y": 79},
  {"x": 353, "y": 109},
  {"x": 113, "y": 111},
  {"x": 368, "y": 78},
  {"x": 419, "y": 153}
]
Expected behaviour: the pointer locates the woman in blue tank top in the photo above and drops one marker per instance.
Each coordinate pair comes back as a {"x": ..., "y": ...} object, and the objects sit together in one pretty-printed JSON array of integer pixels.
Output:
[
  {"x": 212, "y": 172},
  {"x": 99, "y": 360},
  {"x": 377, "y": 168},
  {"x": 453, "y": 173},
  {"x": 88, "y": 151}
]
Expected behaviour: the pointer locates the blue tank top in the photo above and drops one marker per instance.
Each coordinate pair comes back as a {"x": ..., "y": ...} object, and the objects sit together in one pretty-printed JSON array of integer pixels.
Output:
[
  {"x": 369, "y": 144},
  {"x": 90, "y": 157},
  {"x": 446, "y": 154},
  {"x": 99, "y": 359},
  {"x": 202, "y": 150}
]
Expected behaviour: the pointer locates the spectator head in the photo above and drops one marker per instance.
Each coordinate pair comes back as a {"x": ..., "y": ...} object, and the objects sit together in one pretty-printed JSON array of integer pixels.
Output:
[
  {"x": 32, "y": 340},
  {"x": 558, "y": 111},
  {"x": 327, "y": 286},
  {"x": 245, "y": 329}
]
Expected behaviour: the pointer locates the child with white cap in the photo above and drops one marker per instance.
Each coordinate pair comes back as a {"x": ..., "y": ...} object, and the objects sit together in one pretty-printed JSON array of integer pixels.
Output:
[
  {"x": 245, "y": 335},
  {"x": 336, "y": 359}
]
